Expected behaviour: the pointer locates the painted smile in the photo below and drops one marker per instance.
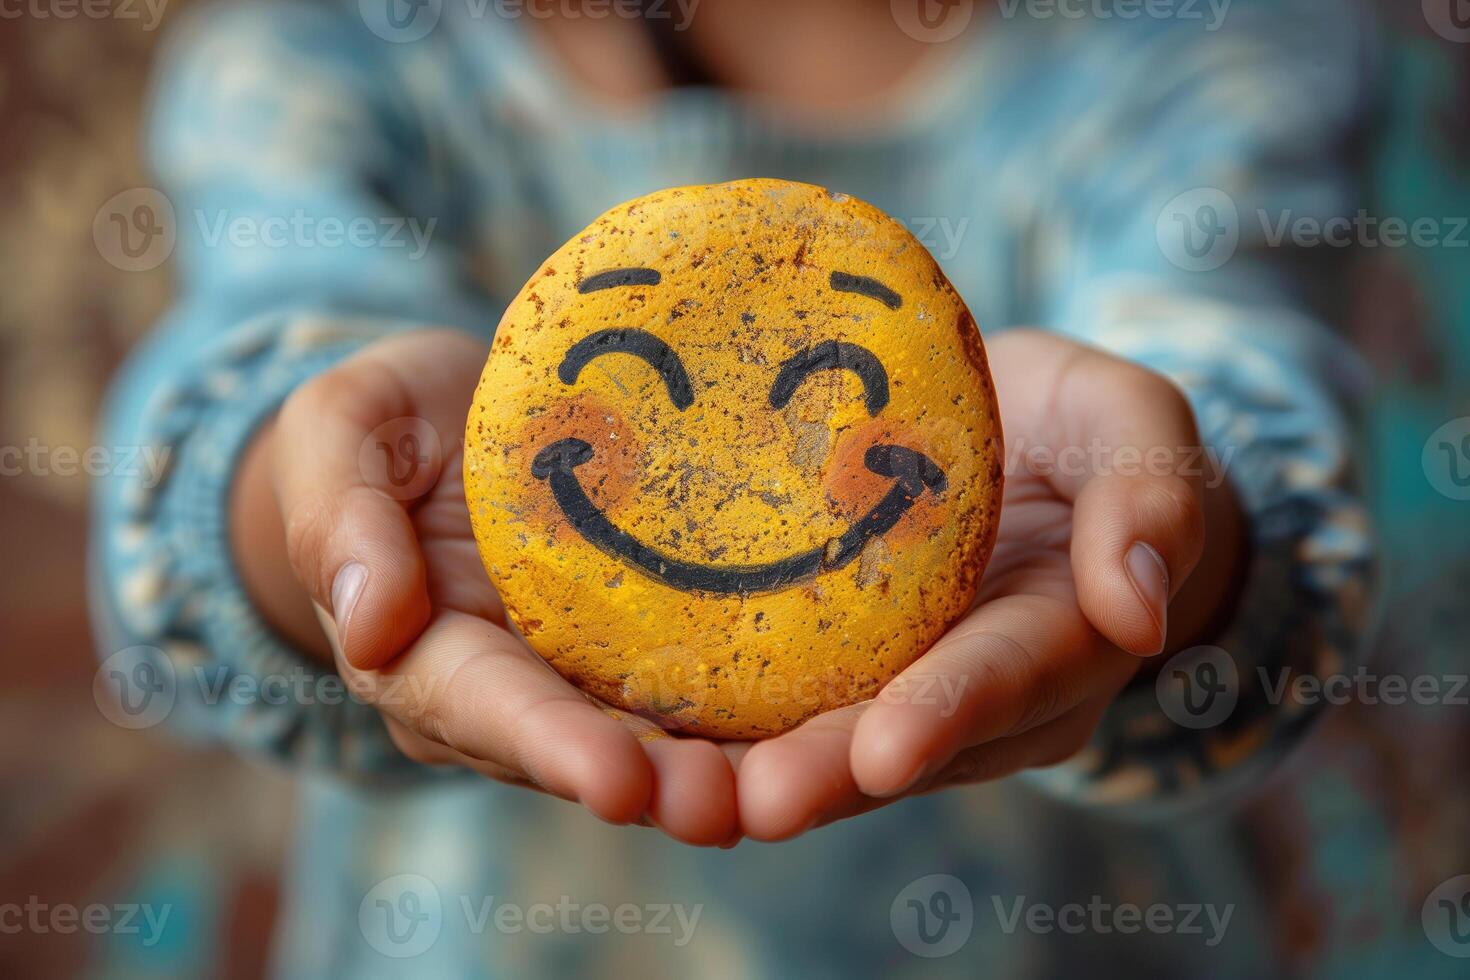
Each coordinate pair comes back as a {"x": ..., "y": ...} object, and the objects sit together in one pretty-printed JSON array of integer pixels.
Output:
[{"x": 911, "y": 471}]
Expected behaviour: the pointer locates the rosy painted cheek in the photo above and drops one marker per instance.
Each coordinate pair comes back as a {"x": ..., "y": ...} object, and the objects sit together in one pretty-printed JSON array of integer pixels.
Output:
[
  {"x": 610, "y": 477},
  {"x": 854, "y": 489}
]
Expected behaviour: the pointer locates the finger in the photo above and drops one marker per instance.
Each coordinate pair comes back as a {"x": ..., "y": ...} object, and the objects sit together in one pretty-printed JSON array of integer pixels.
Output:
[
  {"x": 1138, "y": 519},
  {"x": 1047, "y": 745},
  {"x": 1050, "y": 744},
  {"x": 429, "y": 753},
  {"x": 1135, "y": 540},
  {"x": 736, "y": 752},
  {"x": 352, "y": 544},
  {"x": 1010, "y": 666},
  {"x": 793, "y": 782},
  {"x": 1127, "y": 453},
  {"x": 693, "y": 796},
  {"x": 474, "y": 688}
]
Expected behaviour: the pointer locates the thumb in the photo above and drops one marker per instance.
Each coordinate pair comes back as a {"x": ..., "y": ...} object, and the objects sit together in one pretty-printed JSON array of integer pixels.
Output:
[
  {"x": 1135, "y": 540},
  {"x": 349, "y": 537}
]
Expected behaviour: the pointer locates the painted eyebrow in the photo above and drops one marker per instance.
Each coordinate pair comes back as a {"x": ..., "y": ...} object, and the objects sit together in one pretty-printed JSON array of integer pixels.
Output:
[
  {"x": 846, "y": 282},
  {"x": 832, "y": 355},
  {"x": 640, "y": 343},
  {"x": 613, "y": 278}
]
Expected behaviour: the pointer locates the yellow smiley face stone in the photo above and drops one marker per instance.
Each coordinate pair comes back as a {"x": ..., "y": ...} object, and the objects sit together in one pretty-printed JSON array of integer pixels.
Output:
[{"x": 734, "y": 459}]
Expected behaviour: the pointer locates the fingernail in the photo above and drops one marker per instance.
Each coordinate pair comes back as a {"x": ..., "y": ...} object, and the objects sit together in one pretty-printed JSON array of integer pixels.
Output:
[
  {"x": 1150, "y": 577},
  {"x": 346, "y": 590}
]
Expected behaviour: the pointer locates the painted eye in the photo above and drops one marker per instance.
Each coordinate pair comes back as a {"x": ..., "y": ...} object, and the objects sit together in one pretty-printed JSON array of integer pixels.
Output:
[
  {"x": 617, "y": 278},
  {"x": 833, "y": 355},
  {"x": 846, "y": 282},
  {"x": 640, "y": 343}
]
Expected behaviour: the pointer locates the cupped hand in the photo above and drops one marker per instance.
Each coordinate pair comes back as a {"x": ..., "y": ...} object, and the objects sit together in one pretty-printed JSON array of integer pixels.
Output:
[
  {"x": 366, "y": 466},
  {"x": 1092, "y": 547},
  {"x": 1103, "y": 521}
]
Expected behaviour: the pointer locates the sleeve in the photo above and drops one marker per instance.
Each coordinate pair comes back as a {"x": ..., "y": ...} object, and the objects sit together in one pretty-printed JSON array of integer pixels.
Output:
[
  {"x": 278, "y": 136},
  {"x": 1165, "y": 247}
]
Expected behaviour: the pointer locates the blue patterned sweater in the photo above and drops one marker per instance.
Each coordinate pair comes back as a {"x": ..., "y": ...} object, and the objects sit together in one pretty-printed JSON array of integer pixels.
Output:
[{"x": 1114, "y": 180}]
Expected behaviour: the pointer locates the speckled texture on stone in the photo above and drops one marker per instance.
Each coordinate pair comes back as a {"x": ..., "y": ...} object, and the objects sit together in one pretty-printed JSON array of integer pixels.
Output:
[{"x": 732, "y": 484}]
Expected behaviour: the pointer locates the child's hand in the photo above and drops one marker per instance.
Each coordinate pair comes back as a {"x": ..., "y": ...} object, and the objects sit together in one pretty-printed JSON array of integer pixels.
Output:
[
  {"x": 401, "y": 590},
  {"x": 1020, "y": 682},
  {"x": 1078, "y": 589}
]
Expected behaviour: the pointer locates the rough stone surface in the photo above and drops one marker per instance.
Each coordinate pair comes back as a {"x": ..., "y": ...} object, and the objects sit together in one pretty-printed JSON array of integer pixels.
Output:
[{"x": 705, "y": 580}]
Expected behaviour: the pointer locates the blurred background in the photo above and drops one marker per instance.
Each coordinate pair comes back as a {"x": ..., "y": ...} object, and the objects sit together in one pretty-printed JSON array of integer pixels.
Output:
[{"x": 91, "y": 811}]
